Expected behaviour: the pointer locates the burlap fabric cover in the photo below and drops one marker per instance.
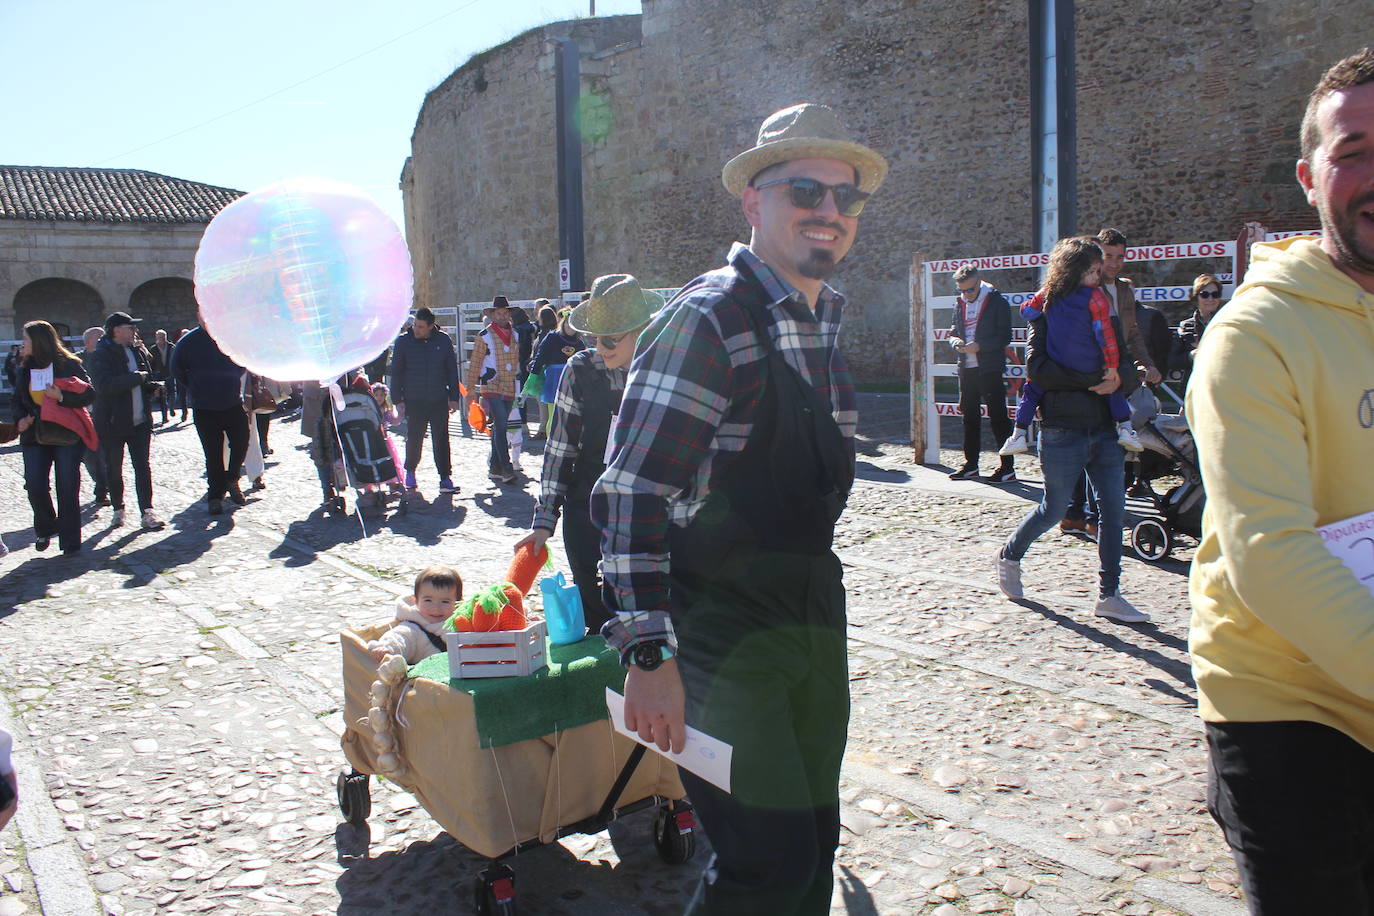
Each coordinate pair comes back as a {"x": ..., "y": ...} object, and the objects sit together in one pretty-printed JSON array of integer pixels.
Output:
[{"x": 490, "y": 799}]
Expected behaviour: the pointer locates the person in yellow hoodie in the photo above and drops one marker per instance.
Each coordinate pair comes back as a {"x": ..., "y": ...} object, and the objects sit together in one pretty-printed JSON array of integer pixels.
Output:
[{"x": 1282, "y": 405}]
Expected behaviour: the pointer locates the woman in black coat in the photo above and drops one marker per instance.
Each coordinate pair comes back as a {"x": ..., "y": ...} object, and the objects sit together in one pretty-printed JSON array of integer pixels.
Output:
[{"x": 43, "y": 361}]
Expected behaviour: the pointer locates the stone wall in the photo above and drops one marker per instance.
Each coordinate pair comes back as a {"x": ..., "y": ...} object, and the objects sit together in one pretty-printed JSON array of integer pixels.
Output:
[
  {"x": 112, "y": 259},
  {"x": 1188, "y": 117}
]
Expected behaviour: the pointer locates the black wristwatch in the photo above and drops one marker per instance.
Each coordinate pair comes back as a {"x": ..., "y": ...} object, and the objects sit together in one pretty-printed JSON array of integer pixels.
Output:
[{"x": 648, "y": 655}]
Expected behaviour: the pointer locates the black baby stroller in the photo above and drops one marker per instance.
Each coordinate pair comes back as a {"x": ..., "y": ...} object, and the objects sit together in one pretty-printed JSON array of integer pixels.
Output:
[
  {"x": 370, "y": 466},
  {"x": 1180, "y": 509}
]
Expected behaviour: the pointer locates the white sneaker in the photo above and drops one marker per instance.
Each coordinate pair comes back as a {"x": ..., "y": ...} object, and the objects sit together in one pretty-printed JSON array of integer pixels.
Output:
[
  {"x": 1009, "y": 577},
  {"x": 1118, "y": 608},
  {"x": 117, "y": 519},
  {"x": 151, "y": 522},
  {"x": 1015, "y": 445},
  {"x": 1127, "y": 438}
]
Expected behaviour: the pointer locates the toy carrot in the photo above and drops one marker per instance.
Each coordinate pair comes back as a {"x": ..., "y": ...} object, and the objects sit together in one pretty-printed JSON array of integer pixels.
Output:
[{"x": 525, "y": 566}]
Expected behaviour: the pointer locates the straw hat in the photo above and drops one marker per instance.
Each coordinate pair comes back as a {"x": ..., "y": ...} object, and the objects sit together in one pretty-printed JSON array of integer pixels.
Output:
[
  {"x": 617, "y": 305},
  {"x": 807, "y": 131}
]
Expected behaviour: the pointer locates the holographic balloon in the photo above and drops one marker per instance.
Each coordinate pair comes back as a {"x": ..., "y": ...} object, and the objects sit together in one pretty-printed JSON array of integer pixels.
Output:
[{"x": 303, "y": 280}]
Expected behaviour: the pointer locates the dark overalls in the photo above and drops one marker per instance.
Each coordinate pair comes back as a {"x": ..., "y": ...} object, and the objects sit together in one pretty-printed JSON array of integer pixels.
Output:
[
  {"x": 581, "y": 538},
  {"x": 758, "y": 607}
]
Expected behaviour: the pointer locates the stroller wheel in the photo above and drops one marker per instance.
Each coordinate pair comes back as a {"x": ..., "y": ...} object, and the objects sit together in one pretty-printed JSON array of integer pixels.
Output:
[{"x": 1150, "y": 539}]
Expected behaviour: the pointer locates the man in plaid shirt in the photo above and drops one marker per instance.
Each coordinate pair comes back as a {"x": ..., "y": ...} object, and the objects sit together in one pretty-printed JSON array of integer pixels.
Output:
[{"x": 733, "y": 453}]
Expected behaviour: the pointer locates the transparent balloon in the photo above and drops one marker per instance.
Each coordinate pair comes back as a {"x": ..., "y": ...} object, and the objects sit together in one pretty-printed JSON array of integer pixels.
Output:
[{"x": 303, "y": 279}]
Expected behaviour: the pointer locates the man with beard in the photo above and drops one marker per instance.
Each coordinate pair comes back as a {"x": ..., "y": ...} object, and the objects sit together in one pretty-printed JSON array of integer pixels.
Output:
[
  {"x": 1282, "y": 404},
  {"x": 733, "y": 454}
]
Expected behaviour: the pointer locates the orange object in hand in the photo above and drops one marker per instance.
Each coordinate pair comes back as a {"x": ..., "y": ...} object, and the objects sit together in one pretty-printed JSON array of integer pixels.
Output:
[
  {"x": 477, "y": 417},
  {"x": 525, "y": 566}
]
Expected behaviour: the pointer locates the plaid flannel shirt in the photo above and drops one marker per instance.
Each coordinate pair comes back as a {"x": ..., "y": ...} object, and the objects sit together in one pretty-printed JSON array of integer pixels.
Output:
[
  {"x": 690, "y": 399},
  {"x": 560, "y": 450}
]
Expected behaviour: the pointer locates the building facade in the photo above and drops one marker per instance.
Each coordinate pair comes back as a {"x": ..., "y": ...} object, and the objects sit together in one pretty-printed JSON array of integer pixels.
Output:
[
  {"x": 79, "y": 243},
  {"x": 1187, "y": 119}
]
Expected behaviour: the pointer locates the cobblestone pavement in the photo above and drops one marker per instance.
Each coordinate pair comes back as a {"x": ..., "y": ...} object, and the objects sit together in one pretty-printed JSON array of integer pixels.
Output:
[{"x": 175, "y": 698}]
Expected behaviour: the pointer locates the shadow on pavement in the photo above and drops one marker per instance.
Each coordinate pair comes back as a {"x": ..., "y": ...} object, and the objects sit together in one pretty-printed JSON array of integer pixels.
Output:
[
  {"x": 438, "y": 876},
  {"x": 866, "y": 470},
  {"x": 509, "y": 506},
  {"x": 1180, "y": 671},
  {"x": 194, "y": 533},
  {"x": 37, "y": 574},
  {"x": 857, "y": 900}
]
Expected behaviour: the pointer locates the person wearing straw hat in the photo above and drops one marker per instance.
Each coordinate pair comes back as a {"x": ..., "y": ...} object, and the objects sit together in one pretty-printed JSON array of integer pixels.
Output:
[
  {"x": 588, "y": 398},
  {"x": 733, "y": 455}
]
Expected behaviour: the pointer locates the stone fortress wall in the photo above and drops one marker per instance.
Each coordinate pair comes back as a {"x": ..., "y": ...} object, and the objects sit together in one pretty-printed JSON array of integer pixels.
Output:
[{"x": 1187, "y": 126}]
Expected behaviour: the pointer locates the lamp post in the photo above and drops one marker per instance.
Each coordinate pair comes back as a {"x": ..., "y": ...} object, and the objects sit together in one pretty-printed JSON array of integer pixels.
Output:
[{"x": 567, "y": 92}]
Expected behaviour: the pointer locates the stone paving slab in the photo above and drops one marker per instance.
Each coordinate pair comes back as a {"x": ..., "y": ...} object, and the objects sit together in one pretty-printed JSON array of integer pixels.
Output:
[{"x": 176, "y": 697}]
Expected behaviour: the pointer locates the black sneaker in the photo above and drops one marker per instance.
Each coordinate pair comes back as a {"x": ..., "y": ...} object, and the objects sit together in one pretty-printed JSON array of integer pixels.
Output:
[
  {"x": 1004, "y": 475},
  {"x": 102, "y": 499},
  {"x": 967, "y": 472},
  {"x": 214, "y": 506}
]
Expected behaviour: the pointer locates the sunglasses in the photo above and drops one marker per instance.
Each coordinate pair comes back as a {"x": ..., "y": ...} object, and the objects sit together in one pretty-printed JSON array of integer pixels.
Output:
[
  {"x": 971, "y": 289},
  {"x": 1207, "y": 294},
  {"x": 610, "y": 343},
  {"x": 809, "y": 194}
]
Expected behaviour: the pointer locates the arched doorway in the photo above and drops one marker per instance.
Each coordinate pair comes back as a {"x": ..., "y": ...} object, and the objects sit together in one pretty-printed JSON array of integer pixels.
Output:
[
  {"x": 168, "y": 303},
  {"x": 68, "y": 305}
]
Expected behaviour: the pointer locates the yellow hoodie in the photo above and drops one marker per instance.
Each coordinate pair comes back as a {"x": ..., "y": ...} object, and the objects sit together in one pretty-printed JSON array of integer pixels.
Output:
[{"x": 1282, "y": 405}]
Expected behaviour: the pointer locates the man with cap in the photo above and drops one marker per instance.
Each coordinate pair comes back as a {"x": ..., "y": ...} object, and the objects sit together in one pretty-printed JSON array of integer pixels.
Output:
[
  {"x": 733, "y": 454},
  {"x": 121, "y": 374},
  {"x": 424, "y": 387},
  {"x": 493, "y": 375},
  {"x": 584, "y": 407}
]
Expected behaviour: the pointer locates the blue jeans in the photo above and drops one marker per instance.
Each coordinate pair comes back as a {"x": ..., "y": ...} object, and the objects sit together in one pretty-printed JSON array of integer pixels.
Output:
[
  {"x": 1064, "y": 454},
  {"x": 498, "y": 413},
  {"x": 65, "y": 523}
]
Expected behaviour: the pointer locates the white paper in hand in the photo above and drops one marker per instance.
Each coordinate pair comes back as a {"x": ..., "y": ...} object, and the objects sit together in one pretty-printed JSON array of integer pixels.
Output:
[
  {"x": 705, "y": 756},
  {"x": 1352, "y": 542}
]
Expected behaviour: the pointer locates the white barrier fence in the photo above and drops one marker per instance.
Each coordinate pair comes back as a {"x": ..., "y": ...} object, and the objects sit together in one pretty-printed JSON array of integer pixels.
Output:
[{"x": 933, "y": 314}]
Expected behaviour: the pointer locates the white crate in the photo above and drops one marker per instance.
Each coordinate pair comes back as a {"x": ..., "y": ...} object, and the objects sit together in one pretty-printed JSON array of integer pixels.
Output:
[{"x": 501, "y": 653}]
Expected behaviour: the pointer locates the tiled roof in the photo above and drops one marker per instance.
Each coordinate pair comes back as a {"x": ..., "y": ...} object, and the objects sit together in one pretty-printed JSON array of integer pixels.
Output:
[{"x": 107, "y": 196}]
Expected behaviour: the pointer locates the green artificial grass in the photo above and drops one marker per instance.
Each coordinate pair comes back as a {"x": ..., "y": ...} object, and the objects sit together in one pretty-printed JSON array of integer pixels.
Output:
[{"x": 570, "y": 692}]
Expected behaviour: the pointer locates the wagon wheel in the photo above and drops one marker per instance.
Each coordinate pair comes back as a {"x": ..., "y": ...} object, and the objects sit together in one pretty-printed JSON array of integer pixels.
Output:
[
  {"x": 675, "y": 834},
  {"x": 355, "y": 797},
  {"x": 493, "y": 891},
  {"x": 1150, "y": 540}
]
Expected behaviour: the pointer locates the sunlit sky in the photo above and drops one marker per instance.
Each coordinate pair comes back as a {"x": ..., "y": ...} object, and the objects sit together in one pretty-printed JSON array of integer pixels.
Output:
[{"x": 243, "y": 93}]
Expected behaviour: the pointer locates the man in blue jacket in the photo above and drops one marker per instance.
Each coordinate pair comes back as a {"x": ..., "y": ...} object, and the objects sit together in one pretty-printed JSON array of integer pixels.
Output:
[
  {"x": 213, "y": 385},
  {"x": 424, "y": 387}
]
